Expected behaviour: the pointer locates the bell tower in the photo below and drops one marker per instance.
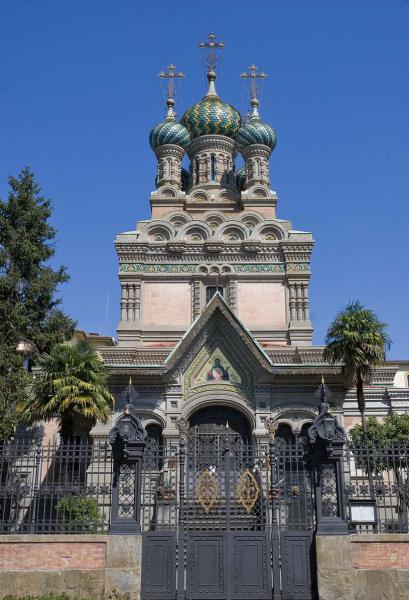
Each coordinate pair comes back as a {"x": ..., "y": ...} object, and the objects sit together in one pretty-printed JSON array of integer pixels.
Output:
[{"x": 213, "y": 227}]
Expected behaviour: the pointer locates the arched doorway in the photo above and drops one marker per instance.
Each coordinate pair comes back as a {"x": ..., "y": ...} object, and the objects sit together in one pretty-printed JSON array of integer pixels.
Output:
[{"x": 221, "y": 421}]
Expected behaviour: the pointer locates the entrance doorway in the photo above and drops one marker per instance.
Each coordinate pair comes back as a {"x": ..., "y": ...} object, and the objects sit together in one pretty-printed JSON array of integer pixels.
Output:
[
  {"x": 227, "y": 517},
  {"x": 221, "y": 420}
]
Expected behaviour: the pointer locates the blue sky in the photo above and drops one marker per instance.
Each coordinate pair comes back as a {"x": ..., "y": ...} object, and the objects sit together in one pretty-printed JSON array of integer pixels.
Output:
[{"x": 79, "y": 95}]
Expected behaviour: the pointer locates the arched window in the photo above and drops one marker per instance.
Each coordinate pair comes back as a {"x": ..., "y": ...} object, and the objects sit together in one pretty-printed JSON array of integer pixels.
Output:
[
  {"x": 196, "y": 171},
  {"x": 153, "y": 455},
  {"x": 285, "y": 433},
  {"x": 212, "y": 168}
]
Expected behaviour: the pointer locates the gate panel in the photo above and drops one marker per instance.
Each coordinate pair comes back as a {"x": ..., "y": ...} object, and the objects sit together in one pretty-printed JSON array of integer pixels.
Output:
[
  {"x": 251, "y": 568},
  {"x": 296, "y": 550},
  {"x": 158, "y": 565},
  {"x": 206, "y": 569}
]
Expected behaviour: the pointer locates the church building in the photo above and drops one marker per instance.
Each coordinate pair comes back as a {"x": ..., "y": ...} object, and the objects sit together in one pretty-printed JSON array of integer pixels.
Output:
[{"x": 214, "y": 312}]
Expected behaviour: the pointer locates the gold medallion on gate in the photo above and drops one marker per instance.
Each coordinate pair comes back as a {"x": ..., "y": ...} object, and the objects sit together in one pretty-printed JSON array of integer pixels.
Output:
[
  {"x": 248, "y": 490},
  {"x": 207, "y": 490}
]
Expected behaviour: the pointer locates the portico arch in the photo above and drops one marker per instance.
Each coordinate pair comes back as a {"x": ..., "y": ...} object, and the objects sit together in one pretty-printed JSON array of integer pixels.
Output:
[{"x": 221, "y": 416}]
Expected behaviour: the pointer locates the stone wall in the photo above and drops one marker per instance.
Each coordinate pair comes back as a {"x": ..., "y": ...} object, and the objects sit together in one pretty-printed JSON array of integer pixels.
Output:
[
  {"x": 363, "y": 567},
  {"x": 89, "y": 566}
]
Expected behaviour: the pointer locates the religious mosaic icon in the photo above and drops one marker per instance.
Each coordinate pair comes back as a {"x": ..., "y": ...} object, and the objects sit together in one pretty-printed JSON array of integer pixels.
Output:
[
  {"x": 207, "y": 490},
  {"x": 218, "y": 372},
  {"x": 248, "y": 490},
  {"x": 217, "y": 369}
]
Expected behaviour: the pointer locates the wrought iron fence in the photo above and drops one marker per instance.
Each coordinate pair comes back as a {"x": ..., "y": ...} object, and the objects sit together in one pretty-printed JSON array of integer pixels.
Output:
[
  {"x": 218, "y": 482},
  {"x": 377, "y": 487},
  {"x": 55, "y": 488},
  {"x": 67, "y": 488}
]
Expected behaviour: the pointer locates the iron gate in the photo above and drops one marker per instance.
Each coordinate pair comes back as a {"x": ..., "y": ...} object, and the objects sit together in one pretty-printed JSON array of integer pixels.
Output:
[{"x": 225, "y": 520}]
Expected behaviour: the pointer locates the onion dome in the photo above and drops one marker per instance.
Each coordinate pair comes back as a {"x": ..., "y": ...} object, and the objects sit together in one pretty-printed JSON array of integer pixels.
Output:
[
  {"x": 211, "y": 115},
  {"x": 255, "y": 131},
  {"x": 240, "y": 178},
  {"x": 169, "y": 131}
]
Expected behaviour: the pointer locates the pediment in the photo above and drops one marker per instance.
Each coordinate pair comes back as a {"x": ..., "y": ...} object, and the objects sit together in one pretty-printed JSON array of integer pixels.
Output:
[
  {"x": 217, "y": 319},
  {"x": 218, "y": 353}
]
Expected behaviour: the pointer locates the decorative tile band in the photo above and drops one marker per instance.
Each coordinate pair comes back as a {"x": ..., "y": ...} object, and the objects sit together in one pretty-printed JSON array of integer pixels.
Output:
[
  {"x": 189, "y": 268},
  {"x": 260, "y": 268},
  {"x": 144, "y": 268}
]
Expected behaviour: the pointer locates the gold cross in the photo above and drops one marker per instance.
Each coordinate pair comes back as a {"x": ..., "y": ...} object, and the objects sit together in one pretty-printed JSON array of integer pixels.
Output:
[
  {"x": 171, "y": 75},
  {"x": 253, "y": 76},
  {"x": 211, "y": 45}
]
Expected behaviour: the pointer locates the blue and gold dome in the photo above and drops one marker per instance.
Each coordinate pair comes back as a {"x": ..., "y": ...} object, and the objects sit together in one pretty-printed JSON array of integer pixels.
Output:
[
  {"x": 211, "y": 115},
  {"x": 169, "y": 131},
  {"x": 255, "y": 131}
]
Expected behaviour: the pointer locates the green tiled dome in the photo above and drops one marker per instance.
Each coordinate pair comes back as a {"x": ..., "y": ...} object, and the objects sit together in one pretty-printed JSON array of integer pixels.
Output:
[
  {"x": 169, "y": 132},
  {"x": 256, "y": 132},
  {"x": 212, "y": 116}
]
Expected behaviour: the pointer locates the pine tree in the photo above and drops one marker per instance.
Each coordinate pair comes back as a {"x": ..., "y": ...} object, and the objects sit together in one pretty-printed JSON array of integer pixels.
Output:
[{"x": 29, "y": 308}]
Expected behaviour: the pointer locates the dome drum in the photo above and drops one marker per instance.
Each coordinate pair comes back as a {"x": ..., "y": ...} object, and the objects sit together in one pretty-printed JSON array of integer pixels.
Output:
[
  {"x": 169, "y": 159},
  {"x": 257, "y": 167},
  {"x": 212, "y": 161}
]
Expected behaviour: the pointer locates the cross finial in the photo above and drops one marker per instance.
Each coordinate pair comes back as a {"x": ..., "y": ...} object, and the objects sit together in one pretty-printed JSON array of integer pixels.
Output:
[
  {"x": 171, "y": 74},
  {"x": 211, "y": 45},
  {"x": 253, "y": 76}
]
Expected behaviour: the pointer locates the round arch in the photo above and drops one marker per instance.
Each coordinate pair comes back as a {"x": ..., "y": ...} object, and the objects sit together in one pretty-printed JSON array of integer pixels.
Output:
[{"x": 224, "y": 416}]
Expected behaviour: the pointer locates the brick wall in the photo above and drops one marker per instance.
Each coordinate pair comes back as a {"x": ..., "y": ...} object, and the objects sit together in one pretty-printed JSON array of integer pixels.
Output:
[
  {"x": 363, "y": 567},
  {"x": 51, "y": 556},
  {"x": 81, "y": 565}
]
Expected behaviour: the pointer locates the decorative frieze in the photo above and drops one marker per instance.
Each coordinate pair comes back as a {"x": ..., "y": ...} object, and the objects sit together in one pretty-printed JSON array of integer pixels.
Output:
[
  {"x": 193, "y": 268},
  {"x": 260, "y": 268},
  {"x": 147, "y": 268},
  {"x": 298, "y": 267}
]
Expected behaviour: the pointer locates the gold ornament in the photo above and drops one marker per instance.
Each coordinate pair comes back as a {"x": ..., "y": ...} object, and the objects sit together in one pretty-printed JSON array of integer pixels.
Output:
[
  {"x": 248, "y": 490},
  {"x": 207, "y": 490}
]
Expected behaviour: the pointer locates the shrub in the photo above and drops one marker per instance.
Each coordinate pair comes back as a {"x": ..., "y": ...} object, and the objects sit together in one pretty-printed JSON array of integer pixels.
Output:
[{"x": 80, "y": 513}]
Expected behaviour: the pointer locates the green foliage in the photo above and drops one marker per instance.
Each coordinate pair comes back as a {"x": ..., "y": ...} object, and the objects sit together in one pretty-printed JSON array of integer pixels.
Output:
[
  {"x": 80, "y": 513},
  {"x": 384, "y": 445},
  {"x": 28, "y": 306},
  {"x": 72, "y": 385},
  {"x": 393, "y": 430},
  {"x": 357, "y": 339}
]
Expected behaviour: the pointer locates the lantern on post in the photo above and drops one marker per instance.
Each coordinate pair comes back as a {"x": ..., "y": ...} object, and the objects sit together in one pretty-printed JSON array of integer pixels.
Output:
[
  {"x": 127, "y": 439},
  {"x": 327, "y": 439}
]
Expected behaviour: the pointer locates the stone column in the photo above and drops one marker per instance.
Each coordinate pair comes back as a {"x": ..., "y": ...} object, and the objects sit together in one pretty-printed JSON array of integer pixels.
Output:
[
  {"x": 306, "y": 302},
  {"x": 232, "y": 294},
  {"x": 130, "y": 301},
  {"x": 195, "y": 298},
  {"x": 299, "y": 302},
  {"x": 293, "y": 314}
]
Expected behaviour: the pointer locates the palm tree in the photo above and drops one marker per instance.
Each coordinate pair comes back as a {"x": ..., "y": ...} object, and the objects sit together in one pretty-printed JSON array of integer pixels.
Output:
[
  {"x": 357, "y": 339},
  {"x": 72, "y": 385}
]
